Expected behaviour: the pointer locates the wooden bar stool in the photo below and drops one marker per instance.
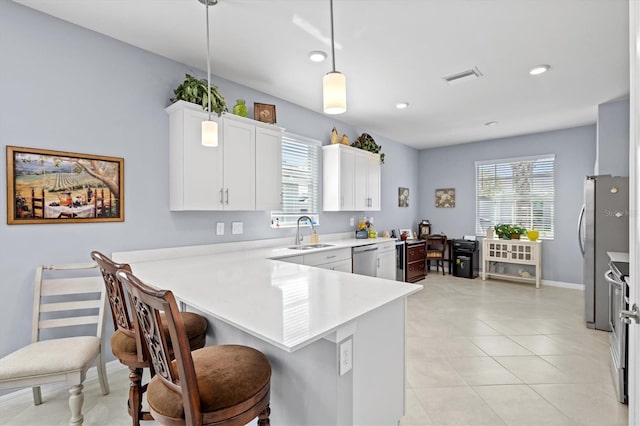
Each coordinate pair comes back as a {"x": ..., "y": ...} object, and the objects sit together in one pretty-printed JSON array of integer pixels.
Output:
[
  {"x": 221, "y": 385},
  {"x": 126, "y": 343}
]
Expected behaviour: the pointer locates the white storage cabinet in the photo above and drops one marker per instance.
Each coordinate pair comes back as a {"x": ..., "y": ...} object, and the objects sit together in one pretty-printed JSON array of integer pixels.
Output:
[
  {"x": 514, "y": 252},
  {"x": 386, "y": 267},
  {"x": 350, "y": 179},
  {"x": 242, "y": 173},
  {"x": 336, "y": 260}
]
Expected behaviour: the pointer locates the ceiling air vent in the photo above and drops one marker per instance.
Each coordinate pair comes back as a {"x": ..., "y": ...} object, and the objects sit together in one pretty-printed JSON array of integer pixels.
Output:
[{"x": 460, "y": 77}]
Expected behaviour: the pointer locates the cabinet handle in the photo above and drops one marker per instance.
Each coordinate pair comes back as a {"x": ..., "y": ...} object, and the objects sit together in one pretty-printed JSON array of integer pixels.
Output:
[
  {"x": 221, "y": 199},
  {"x": 227, "y": 194},
  {"x": 331, "y": 257}
]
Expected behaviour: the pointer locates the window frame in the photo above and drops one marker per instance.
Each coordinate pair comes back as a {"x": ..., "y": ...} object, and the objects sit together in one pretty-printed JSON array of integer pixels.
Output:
[
  {"x": 287, "y": 218},
  {"x": 542, "y": 218}
]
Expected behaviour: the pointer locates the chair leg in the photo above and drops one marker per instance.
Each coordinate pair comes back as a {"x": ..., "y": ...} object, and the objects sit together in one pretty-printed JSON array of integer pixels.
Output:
[
  {"x": 75, "y": 404},
  {"x": 263, "y": 417},
  {"x": 102, "y": 374},
  {"x": 135, "y": 395},
  {"x": 37, "y": 395}
]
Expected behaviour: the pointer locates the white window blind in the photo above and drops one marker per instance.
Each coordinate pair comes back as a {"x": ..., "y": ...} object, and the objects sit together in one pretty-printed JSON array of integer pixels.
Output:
[
  {"x": 516, "y": 191},
  {"x": 300, "y": 175}
]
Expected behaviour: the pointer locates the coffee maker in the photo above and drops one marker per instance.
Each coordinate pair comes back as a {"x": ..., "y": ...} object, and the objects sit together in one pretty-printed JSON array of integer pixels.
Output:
[{"x": 424, "y": 229}]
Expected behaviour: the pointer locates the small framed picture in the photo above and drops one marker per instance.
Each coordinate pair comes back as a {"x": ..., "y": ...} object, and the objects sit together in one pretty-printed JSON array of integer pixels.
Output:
[
  {"x": 264, "y": 112},
  {"x": 446, "y": 197},
  {"x": 403, "y": 197}
]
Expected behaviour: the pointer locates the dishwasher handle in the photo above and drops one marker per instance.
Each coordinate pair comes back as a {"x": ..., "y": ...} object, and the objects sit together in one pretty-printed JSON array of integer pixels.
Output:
[{"x": 364, "y": 249}]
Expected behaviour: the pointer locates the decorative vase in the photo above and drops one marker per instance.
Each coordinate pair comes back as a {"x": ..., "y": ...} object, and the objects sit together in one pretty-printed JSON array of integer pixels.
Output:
[
  {"x": 514, "y": 236},
  {"x": 533, "y": 235},
  {"x": 334, "y": 136},
  {"x": 240, "y": 108}
]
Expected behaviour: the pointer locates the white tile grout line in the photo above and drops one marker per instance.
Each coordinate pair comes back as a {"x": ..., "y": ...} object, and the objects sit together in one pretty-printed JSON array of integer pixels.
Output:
[{"x": 25, "y": 394}]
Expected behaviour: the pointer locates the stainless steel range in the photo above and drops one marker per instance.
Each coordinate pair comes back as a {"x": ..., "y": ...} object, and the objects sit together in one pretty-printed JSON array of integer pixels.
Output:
[{"x": 618, "y": 302}]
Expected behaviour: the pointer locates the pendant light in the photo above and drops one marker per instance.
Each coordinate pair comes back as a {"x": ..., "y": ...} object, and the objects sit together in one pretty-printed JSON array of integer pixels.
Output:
[
  {"x": 334, "y": 83},
  {"x": 209, "y": 127}
]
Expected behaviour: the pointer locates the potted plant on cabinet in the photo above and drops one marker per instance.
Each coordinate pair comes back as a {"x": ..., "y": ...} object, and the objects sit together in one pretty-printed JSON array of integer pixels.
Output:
[
  {"x": 509, "y": 232},
  {"x": 365, "y": 141},
  {"x": 195, "y": 91}
]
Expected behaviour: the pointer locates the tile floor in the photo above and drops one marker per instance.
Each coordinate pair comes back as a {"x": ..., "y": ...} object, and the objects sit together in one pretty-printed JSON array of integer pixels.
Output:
[{"x": 478, "y": 353}]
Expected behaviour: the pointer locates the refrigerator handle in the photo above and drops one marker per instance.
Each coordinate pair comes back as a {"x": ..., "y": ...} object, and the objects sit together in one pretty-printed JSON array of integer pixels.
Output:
[{"x": 580, "y": 220}]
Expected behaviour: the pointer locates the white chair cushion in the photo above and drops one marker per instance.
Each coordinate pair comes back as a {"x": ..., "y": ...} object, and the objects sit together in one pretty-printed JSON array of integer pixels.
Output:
[{"x": 49, "y": 357}]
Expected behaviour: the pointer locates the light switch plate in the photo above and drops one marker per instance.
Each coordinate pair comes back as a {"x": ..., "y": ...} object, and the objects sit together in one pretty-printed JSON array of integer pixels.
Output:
[
  {"x": 236, "y": 227},
  {"x": 352, "y": 222},
  {"x": 220, "y": 228}
]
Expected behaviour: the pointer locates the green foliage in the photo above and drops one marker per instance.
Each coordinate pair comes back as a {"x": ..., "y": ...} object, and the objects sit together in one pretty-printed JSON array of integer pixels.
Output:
[
  {"x": 195, "y": 91},
  {"x": 505, "y": 231},
  {"x": 366, "y": 142}
]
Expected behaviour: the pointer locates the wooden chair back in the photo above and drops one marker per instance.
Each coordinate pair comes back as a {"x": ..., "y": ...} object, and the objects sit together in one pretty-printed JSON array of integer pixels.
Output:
[
  {"x": 117, "y": 298},
  {"x": 436, "y": 246},
  {"x": 51, "y": 309},
  {"x": 37, "y": 203},
  {"x": 148, "y": 302}
]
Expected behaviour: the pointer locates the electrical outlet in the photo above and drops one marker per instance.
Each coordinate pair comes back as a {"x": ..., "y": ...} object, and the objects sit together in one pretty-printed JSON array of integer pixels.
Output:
[
  {"x": 236, "y": 228},
  {"x": 346, "y": 356},
  {"x": 352, "y": 221},
  {"x": 220, "y": 228}
]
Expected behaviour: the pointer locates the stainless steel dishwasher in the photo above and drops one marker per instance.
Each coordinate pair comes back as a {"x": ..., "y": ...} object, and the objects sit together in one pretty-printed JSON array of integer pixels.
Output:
[{"x": 365, "y": 260}]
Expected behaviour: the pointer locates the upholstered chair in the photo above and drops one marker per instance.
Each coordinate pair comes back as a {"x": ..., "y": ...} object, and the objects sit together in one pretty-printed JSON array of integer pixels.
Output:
[
  {"x": 125, "y": 341},
  {"x": 221, "y": 385}
]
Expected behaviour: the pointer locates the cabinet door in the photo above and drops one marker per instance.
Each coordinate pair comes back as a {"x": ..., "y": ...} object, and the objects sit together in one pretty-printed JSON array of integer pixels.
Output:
[
  {"x": 193, "y": 168},
  {"x": 361, "y": 171},
  {"x": 386, "y": 265},
  {"x": 341, "y": 265},
  {"x": 239, "y": 165},
  {"x": 347, "y": 176},
  {"x": 373, "y": 182},
  {"x": 268, "y": 169}
]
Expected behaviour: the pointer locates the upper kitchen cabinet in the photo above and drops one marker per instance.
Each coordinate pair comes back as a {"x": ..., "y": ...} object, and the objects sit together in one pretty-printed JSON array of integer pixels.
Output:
[
  {"x": 242, "y": 173},
  {"x": 350, "y": 178}
]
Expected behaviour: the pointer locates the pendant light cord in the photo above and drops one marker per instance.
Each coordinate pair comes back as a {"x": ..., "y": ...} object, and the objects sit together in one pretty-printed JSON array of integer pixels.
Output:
[
  {"x": 333, "y": 49},
  {"x": 208, "y": 63}
]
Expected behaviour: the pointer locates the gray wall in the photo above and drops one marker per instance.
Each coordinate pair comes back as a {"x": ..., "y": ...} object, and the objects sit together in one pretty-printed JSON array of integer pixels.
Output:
[
  {"x": 453, "y": 167},
  {"x": 70, "y": 89},
  {"x": 612, "y": 155}
]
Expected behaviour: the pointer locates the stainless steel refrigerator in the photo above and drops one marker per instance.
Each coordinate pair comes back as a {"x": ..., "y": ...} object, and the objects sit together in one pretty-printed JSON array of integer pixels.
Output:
[{"x": 603, "y": 226}]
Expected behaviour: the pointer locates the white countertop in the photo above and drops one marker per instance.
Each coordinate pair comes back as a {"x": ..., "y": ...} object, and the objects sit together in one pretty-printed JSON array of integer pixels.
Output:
[
  {"x": 618, "y": 256},
  {"x": 285, "y": 304}
]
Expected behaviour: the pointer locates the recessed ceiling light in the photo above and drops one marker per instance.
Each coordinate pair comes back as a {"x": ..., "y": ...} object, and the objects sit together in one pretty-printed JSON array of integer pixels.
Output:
[
  {"x": 317, "y": 56},
  {"x": 490, "y": 123},
  {"x": 539, "y": 69},
  {"x": 402, "y": 105}
]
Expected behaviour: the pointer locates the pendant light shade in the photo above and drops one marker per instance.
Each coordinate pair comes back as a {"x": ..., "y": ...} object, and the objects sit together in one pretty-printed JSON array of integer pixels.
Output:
[
  {"x": 209, "y": 127},
  {"x": 334, "y": 93},
  {"x": 209, "y": 133},
  {"x": 334, "y": 83}
]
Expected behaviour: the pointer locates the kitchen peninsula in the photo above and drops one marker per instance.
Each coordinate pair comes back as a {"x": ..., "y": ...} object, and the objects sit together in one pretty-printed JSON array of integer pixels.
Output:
[{"x": 336, "y": 341}]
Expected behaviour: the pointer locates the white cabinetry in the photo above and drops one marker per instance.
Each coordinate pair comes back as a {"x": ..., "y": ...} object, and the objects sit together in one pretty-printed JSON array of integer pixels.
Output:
[
  {"x": 337, "y": 260},
  {"x": 512, "y": 251},
  {"x": 242, "y": 173},
  {"x": 386, "y": 267},
  {"x": 350, "y": 178}
]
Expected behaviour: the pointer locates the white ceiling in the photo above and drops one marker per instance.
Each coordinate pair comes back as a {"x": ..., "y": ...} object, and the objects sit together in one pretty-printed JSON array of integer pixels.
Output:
[{"x": 393, "y": 51}]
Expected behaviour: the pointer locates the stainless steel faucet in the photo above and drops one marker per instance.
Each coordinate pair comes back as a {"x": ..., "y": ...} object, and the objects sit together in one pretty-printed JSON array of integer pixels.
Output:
[{"x": 298, "y": 234}]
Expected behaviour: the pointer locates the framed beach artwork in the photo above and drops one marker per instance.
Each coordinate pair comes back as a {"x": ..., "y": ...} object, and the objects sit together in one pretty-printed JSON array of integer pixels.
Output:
[{"x": 45, "y": 186}]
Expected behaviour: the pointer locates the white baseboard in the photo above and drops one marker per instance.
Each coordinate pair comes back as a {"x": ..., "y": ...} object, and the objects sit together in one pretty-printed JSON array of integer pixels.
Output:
[
  {"x": 25, "y": 394},
  {"x": 563, "y": 284}
]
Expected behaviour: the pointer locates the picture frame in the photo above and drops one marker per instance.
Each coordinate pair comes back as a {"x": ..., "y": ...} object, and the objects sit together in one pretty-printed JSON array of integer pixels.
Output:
[
  {"x": 445, "y": 197},
  {"x": 46, "y": 187},
  {"x": 264, "y": 112},
  {"x": 403, "y": 197}
]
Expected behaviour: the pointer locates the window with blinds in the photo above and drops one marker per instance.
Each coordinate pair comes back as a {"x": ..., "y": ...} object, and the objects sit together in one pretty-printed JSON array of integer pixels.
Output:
[
  {"x": 516, "y": 191},
  {"x": 300, "y": 175}
]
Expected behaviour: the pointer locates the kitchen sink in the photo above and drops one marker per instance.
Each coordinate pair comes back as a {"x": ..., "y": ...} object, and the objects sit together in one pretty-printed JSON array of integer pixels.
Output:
[{"x": 310, "y": 246}]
